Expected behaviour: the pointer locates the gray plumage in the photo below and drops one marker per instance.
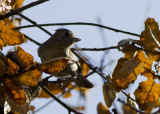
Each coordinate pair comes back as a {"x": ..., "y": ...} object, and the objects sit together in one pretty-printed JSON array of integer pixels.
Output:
[{"x": 59, "y": 46}]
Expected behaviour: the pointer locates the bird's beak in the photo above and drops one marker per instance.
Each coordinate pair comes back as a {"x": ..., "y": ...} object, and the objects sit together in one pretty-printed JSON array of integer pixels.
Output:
[{"x": 76, "y": 39}]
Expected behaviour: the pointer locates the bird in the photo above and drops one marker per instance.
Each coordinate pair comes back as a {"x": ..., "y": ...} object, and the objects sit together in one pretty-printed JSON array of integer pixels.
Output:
[{"x": 59, "y": 45}]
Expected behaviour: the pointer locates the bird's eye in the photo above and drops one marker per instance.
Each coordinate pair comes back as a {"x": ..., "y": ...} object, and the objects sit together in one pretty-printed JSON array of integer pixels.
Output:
[{"x": 66, "y": 34}]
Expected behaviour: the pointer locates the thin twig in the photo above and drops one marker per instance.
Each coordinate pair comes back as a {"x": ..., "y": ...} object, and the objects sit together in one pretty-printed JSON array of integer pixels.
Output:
[
  {"x": 16, "y": 11},
  {"x": 58, "y": 100},
  {"x": 131, "y": 106},
  {"x": 81, "y": 23},
  {"x": 34, "y": 23},
  {"x": 69, "y": 79},
  {"x": 96, "y": 49},
  {"x": 31, "y": 40}
]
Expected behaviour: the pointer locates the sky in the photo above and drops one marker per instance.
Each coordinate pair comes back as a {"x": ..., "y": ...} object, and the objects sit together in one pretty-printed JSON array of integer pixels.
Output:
[{"x": 127, "y": 15}]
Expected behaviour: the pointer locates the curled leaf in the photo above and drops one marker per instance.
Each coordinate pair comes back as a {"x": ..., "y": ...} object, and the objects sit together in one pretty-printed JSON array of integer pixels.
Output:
[
  {"x": 53, "y": 66},
  {"x": 24, "y": 58},
  {"x": 109, "y": 93}
]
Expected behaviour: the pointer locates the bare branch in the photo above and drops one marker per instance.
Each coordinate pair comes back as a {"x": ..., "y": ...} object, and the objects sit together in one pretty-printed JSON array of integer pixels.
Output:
[
  {"x": 58, "y": 100},
  {"x": 131, "y": 106},
  {"x": 82, "y": 23},
  {"x": 16, "y": 11},
  {"x": 34, "y": 23}
]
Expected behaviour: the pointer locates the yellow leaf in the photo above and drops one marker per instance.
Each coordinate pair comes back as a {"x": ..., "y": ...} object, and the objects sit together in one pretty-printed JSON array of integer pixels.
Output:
[
  {"x": 146, "y": 36},
  {"x": 129, "y": 51},
  {"x": 148, "y": 91},
  {"x": 16, "y": 3},
  {"x": 1, "y": 44},
  {"x": 85, "y": 68},
  {"x": 67, "y": 94},
  {"x": 53, "y": 66},
  {"x": 10, "y": 36},
  {"x": 53, "y": 88},
  {"x": 15, "y": 91},
  {"x": 101, "y": 109},
  {"x": 2, "y": 68},
  {"x": 126, "y": 72},
  {"x": 29, "y": 78},
  {"x": 128, "y": 110},
  {"x": 12, "y": 67},
  {"x": 153, "y": 55},
  {"x": 24, "y": 58},
  {"x": 109, "y": 93}
]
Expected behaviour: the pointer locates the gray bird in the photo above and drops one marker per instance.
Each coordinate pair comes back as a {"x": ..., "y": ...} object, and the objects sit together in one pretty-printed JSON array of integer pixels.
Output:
[{"x": 59, "y": 45}]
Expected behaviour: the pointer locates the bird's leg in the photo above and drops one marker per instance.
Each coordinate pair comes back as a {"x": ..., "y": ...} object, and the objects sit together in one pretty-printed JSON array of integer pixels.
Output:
[{"x": 60, "y": 82}]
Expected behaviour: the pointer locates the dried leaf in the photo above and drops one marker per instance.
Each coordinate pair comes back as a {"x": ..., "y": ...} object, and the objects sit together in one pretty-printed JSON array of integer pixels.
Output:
[
  {"x": 18, "y": 108},
  {"x": 101, "y": 109},
  {"x": 109, "y": 93},
  {"x": 2, "y": 68},
  {"x": 12, "y": 67},
  {"x": 129, "y": 51},
  {"x": 153, "y": 55},
  {"x": 53, "y": 88},
  {"x": 15, "y": 91},
  {"x": 10, "y": 36},
  {"x": 128, "y": 110},
  {"x": 16, "y": 3},
  {"x": 1, "y": 44},
  {"x": 29, "y": 78},
  {"x": 148, "y": 91},
  {"x": 24, "y": 58},
  {"x": 67, "y": 94},
  {"x": 126, "y": 72},
  {"x": 85, "y": 68},
  {"x": 32, "y": 108},
  {"x": 53, "y": 66},
  {"x": 149, "y": 36}
]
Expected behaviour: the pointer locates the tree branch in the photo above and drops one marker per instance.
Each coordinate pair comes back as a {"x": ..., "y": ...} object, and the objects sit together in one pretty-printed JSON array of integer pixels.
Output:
[
  {"x": 34, "y": 23},
  {"x": 16, "y": 11},
  {"x": 58, "y": 100},
  {"x": 81, "y": 23},
  {"x": 97, "y": 49}
]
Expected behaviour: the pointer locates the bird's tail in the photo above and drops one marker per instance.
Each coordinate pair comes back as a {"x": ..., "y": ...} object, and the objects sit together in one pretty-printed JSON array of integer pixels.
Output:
[{"x": 84, "y": 83}]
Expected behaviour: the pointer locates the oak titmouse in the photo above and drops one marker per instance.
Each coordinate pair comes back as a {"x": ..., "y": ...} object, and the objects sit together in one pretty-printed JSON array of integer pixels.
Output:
[{"x": 59, "y": 45}]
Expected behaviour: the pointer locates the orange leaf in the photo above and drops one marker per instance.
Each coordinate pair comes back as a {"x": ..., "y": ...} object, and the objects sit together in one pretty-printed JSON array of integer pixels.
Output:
[
  {"x": 84, "y": 66},
  {"x": 15, "y": 91},
  {"x": 1, "y": 44},
  {"x": 53, "y": 88},
  {"x": 2, "y": 68},
  {"x": 10, "y": 36},
  {"x": 101, "y": 109},
  {"x": 16, "y": 3},
  {"x": 29, "y": 78},
  {"x": 12, "y": 67},
  {"x": 126, "y": 72},
  {"x": 148, "y": 91},
  {"x": 153, "y": 55},
  {"x": 67, "y": 94},
  {"x": 147, "y": 37},
  {"x": 53, "y": 66},
  {"x": 24, "y": 58}
]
